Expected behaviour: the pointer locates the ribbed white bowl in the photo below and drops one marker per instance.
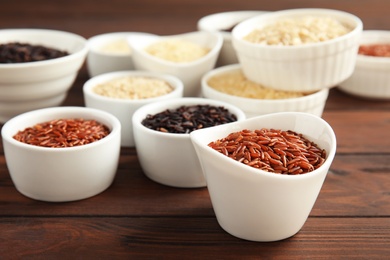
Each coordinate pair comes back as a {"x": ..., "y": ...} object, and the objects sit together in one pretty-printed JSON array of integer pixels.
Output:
[{"x": 307, "y": 67}]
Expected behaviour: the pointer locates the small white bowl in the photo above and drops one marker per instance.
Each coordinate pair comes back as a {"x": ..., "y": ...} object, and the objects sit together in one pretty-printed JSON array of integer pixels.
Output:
[
  {"x": 313, "y": 103},
  {"x": 100, "y": 60},
  {"x": 169, "y": 158},
  {"x": 61, "y": 174},
  {"x": 307, "y": 67},
  {"x": 253, "y": 204},
  {"x": 33, "y": 85},
  {"x": 123, "y": 109},
  {"x": 371, "y": 77},
  {"x": 224, "y": 23},
  {"x": 189, "y": 72}
]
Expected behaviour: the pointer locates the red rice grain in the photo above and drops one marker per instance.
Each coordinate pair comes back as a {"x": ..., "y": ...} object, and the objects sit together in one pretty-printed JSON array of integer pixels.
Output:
[
  {"x": 63, "y": 133},
  {"x": 277, "y": 151}
]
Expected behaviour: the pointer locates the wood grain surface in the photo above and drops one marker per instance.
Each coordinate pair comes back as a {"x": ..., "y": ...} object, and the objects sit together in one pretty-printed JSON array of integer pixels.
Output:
[{"x": 137, "y": 218}]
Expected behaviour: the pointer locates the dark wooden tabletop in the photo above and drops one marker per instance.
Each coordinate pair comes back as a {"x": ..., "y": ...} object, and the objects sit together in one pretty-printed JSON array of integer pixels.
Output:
[{"x": 137, "y": 218}]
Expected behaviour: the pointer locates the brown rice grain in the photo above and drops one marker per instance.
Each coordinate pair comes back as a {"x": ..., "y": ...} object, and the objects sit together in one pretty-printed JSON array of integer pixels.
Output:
[{"x": 236, "y": 84}]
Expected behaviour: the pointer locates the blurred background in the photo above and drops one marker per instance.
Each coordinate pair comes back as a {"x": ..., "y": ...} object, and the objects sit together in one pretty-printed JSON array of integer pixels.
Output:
[{"x": 158, "y": 15}]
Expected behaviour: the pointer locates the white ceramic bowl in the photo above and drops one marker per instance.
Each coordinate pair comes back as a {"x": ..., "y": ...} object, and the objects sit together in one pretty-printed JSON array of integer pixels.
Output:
[
  {"x": 61, "y": 174},
  {"x": 169, "y": 158},
  {"x": 189, "y": 72},
  {"x": 256, "y": 205},
  {"x": 33, "y": 85},
  {"x": 307, "y": 67},
  {"x": 123, "y": 109},
  {"x": 371, "y": 77},
  {"x": 100, "y": 60},
  {"x": 312, "y": 103},
  {"x": 224, "y": 23}
]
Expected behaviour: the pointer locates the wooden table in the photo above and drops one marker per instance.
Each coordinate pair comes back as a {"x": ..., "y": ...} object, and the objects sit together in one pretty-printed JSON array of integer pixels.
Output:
[{"x": 137, "y": 218}]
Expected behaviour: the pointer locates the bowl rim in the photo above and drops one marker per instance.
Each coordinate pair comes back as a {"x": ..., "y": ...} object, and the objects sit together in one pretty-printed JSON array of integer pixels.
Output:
[
  {"x": 213, "y": 51},
  {"x": 251, "y": 23},
  {"x": 74, "y": 55},
  {"x": 52, "y": 112},
  {"x": 205, "y": 20},
  {"x": 175, "y": 82},
  {"x": 235, "y": 67},
  {"x": 141, "y": 112},
  {"x": 251, "y": 171}
]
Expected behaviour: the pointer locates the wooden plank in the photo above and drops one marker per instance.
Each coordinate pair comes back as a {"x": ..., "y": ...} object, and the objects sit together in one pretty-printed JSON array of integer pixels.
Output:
[
  {"x": 364, "y": 132},
  {"x": 357, "y": 185},
  {"x": 338, "y": 100},
  {"x": 186, "y": 238}
]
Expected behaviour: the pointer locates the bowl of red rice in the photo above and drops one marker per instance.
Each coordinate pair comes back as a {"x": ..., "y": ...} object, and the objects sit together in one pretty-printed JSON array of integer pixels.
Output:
[
  {"x": 62, "y": 154},
  {"x": 264, "y": 173},
  {"x": 371, "y": 77}
]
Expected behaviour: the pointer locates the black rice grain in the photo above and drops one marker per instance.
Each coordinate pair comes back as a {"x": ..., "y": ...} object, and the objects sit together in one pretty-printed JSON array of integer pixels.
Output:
[
  {"x": 186, "y": 119},
  {"x": 16, "y": 52}
]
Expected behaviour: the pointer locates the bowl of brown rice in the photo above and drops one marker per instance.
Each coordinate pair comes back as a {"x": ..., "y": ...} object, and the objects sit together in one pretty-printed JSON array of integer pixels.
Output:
[
  {"x": 229, "y": 84},
  {"x": 298, "y": 49},
  {"x": 121, "y": 93},
  {"x": 187, "y": 56},
  {"x": 265, "y": 173},
  {"x": 62, "y": 154}
]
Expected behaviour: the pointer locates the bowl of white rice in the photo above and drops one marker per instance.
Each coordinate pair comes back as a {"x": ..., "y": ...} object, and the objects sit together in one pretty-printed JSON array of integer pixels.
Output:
[
  {"x": 187, "y": 56},
  {"x": 121, "y": 93},
  {"x": 229, "y": 84},
  {"x": 109, "y": 52},
  {"x": 298, "y": 49}
]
